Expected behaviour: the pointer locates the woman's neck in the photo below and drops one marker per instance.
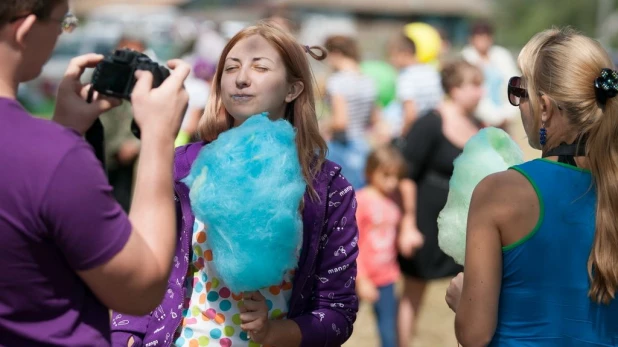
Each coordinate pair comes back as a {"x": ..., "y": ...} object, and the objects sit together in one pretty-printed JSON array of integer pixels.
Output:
[
  {"x": 578, "y": 152},
  {"x": 455, "y": 109},
  {"x": 348, "y": 66},
  {"x": 558, "y": 136}
]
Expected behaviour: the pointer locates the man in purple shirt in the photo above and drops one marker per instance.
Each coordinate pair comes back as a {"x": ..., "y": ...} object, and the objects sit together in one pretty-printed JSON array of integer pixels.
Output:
[{"x": 67, "y": 250}]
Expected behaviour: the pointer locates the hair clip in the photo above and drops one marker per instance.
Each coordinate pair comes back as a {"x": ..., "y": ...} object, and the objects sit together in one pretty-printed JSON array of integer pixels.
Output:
[
  {"x": 606, "y": 86},
  {"x": 312, "y": 49}
]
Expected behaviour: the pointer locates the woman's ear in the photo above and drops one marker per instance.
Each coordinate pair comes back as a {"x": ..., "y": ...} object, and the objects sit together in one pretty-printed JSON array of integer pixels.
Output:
[
  {"x": 22, "y": 28},
  {"x": 294, "y": 91},
  {"x": 547, "y": 108}
]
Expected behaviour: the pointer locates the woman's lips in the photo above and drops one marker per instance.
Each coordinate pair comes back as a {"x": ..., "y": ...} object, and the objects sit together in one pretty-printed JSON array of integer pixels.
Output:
[{"x": 242, "y": 97}]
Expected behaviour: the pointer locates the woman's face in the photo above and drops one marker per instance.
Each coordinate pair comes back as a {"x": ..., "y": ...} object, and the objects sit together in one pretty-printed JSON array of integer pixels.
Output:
[
  {"x": 527, "y": 118},
  {"x": 254, "y": 80},
  {"x": 529, "y": 124},
  {"x": 469, "y": 94}
]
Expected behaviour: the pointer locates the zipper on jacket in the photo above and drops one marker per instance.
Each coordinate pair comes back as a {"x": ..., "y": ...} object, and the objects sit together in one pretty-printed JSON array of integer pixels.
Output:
[
  {"x": 318, "y": 226},
  {"x": 186, "y": 245}
]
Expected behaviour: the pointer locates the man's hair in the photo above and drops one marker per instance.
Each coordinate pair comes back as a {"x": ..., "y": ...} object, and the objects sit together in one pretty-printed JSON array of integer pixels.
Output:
[
  {"x": 482, "y": 28},
  {"x": 11, "y": 9},
  {"x": 345, "y": 45},
  {"x": 401, "y": 42}
]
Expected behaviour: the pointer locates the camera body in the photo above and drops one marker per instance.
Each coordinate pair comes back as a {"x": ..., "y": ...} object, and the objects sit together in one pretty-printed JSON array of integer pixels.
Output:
[{"x": 115, "y": 75}]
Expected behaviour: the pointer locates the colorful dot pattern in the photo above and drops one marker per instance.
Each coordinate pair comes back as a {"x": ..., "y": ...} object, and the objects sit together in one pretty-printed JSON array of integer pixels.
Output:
[{"x": 211, "y": 316}]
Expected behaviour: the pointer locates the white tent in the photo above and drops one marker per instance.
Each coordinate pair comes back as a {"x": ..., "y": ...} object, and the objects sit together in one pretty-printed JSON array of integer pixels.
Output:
[
  {"x": 86, "y": 7},
  {"x": 442, "y": 7}
]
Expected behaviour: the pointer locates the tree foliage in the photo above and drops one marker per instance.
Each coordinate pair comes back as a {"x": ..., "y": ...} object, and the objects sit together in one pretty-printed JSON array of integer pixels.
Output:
[{"x": 518, "y": 20}]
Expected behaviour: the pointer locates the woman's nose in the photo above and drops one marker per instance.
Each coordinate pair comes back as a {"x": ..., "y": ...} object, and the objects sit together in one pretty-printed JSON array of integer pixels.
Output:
[{"x": 242, "y": 79}]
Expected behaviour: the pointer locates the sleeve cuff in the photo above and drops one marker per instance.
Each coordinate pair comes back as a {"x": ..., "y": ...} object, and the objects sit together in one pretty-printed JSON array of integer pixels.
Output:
[
  {"x": 312, "y": 331},
  {"x": 121, "y": 339}
]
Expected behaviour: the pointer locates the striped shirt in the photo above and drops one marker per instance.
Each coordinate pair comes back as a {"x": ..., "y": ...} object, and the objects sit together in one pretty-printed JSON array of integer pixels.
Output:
[
  {"x": 420, "y": 83},
  {"x": 360, "y": 94}
]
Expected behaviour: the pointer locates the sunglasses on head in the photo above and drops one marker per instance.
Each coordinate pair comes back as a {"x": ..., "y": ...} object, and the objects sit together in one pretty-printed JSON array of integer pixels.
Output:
[{"x": 515, "y": 91}]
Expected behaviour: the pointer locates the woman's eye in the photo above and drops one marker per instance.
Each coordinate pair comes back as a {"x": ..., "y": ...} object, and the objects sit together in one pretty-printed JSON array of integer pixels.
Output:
[
  {"x": 260, "y": 68},
  {"x": 230, "y": 68}
]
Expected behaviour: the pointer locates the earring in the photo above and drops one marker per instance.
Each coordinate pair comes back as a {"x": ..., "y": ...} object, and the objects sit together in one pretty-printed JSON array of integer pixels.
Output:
[{"x": 543, "y": 135}]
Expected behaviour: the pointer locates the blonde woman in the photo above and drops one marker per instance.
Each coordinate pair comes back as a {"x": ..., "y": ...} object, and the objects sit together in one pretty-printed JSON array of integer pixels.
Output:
[{"x": 542, "y": 244}]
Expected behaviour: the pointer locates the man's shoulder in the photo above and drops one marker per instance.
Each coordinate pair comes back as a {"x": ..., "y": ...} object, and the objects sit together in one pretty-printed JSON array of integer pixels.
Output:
[
  {"x": 32, "y": 150},
  {"x": 37, "y": 138},
  {"x": 54, "y": 139},
  {"x": 500, "y": 51}
]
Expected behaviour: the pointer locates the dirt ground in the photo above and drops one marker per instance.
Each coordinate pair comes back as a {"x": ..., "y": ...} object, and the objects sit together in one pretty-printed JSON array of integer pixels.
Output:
[{"x": 435, "y": 325}]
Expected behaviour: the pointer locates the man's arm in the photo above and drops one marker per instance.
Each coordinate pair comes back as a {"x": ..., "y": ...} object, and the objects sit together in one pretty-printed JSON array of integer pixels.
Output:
[
  {"x": 410, "y": 115},
  {"x": 125, "y": 264}
]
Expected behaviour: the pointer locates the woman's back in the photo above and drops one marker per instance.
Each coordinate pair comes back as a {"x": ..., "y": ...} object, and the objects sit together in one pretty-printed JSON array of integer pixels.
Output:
[{"x": 544, "y": 295}]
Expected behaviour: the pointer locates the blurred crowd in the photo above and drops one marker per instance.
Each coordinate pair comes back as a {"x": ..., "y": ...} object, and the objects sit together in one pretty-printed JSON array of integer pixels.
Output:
[{"x": 333, "y": 151}]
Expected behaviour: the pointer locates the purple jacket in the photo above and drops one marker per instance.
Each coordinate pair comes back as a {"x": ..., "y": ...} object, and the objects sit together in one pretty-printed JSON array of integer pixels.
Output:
[{"x": 323, "y": 302}]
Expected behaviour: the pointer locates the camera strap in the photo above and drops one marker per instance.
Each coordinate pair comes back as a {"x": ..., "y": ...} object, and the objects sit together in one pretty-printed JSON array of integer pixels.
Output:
[{"x": 95, "y": 135}]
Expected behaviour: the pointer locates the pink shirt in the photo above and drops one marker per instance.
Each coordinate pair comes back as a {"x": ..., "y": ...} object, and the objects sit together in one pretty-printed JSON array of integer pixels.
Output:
[{"x": 377, "y": 218}]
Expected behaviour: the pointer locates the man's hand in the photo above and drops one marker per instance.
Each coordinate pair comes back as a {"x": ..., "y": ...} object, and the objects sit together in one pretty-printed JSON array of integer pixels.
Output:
[
  {"x": 453, "y": 293},
  {"x": 72, "y": 110},
  {"x": 158, "y": 112},
  {"x": 254, "y": 316}
]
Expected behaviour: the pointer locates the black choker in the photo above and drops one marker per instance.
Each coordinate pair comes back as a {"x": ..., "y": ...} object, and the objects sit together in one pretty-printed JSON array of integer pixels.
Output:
[{"x": 566, "y": 153}]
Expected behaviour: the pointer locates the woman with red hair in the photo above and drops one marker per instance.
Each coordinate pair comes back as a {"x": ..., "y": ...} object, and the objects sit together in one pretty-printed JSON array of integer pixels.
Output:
[{"x": 262, "y": 69}]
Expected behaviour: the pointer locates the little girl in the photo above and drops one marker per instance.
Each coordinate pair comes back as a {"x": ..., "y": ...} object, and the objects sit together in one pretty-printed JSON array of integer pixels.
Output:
[{"x": 378, "y": 218}]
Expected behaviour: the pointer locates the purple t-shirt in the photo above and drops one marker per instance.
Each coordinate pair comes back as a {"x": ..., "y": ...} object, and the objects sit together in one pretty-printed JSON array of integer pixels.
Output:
[{"x": 57, "y": 216}]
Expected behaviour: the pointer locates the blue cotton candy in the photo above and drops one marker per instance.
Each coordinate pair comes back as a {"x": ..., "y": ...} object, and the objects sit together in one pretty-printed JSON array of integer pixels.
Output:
[
  {"x": 491, "y": 150},
  {"x": 247, "y": 187}
]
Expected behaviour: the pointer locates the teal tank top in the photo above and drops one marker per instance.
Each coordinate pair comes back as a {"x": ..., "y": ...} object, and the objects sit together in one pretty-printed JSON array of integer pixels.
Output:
[{"x": 544, "y": 296}]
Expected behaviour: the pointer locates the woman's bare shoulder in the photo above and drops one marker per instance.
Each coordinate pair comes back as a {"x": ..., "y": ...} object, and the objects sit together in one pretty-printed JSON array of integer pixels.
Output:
[
  {"x": 507, "y": 193},
  {"x": 507, "y": 179}
]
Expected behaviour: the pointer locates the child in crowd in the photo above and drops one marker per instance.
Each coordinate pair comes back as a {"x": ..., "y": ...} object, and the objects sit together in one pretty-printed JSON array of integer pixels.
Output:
[{"x": 378, "y": 218}]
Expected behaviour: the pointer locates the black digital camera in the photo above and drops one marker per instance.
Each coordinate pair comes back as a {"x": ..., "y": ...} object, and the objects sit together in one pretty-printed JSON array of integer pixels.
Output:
[{"x": 115, "y": 75}]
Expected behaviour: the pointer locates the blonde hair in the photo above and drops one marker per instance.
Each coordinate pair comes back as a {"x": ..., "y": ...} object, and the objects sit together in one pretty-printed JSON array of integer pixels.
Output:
[
  {"x": 563, "y": 64},
  {"x": 301, "y": 112}
]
